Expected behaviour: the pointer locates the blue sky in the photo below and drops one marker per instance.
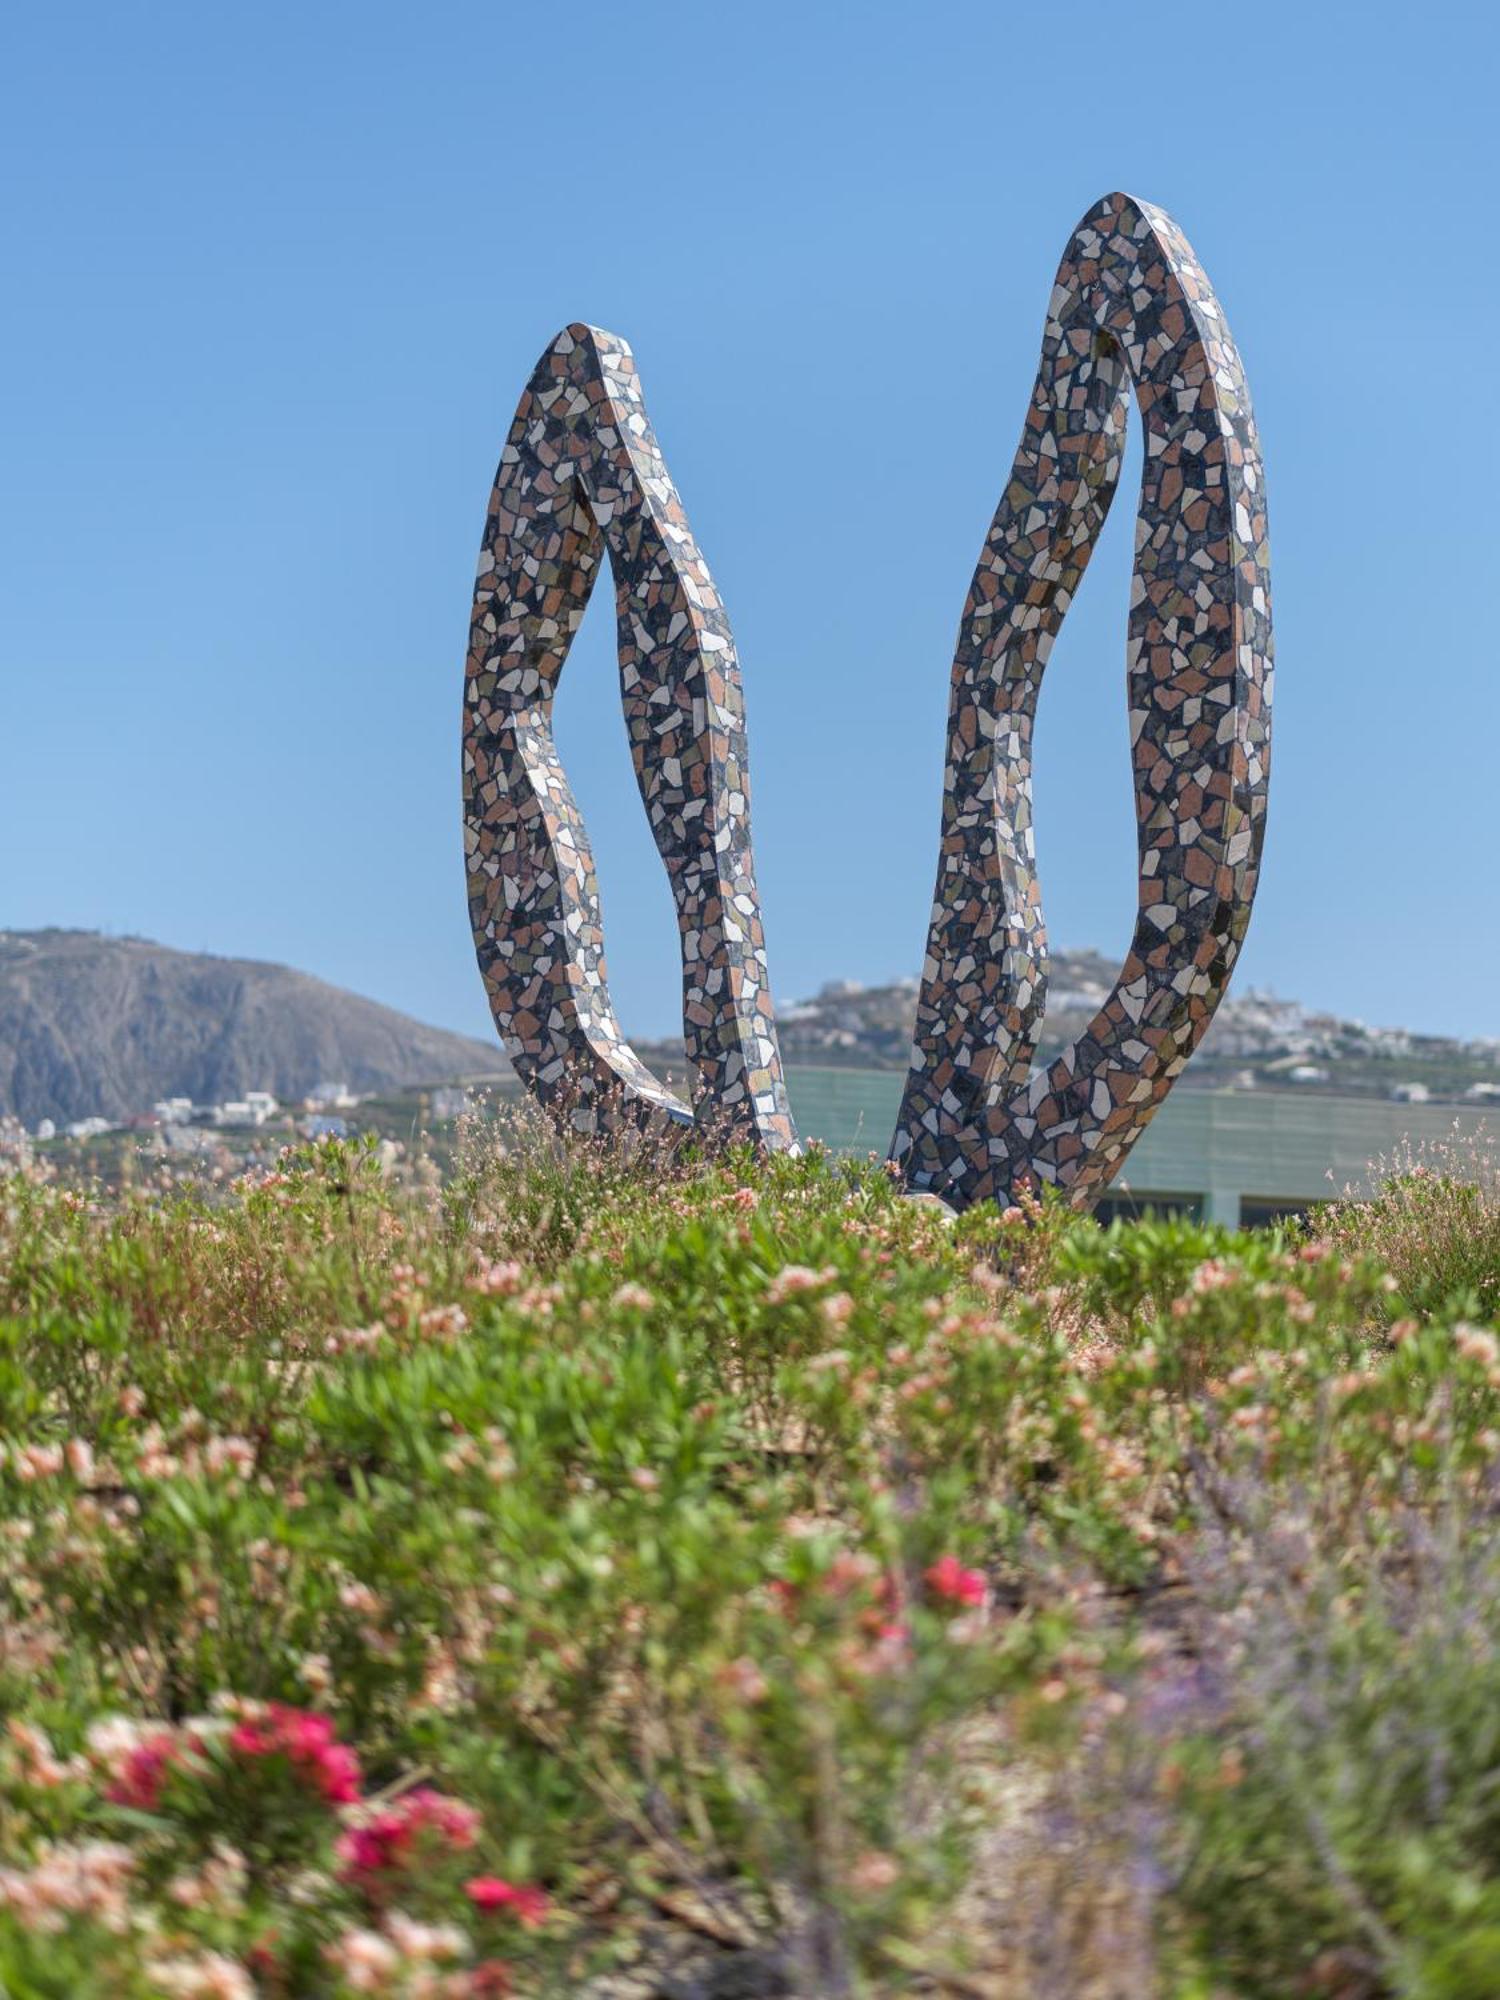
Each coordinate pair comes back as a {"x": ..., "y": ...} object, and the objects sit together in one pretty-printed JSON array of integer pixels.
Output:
[{"x": 277, "y": 275}]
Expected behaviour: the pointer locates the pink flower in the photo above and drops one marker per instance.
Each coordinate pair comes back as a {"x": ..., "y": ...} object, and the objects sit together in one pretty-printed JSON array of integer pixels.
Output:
[
  {"x": 338, "y": 1775},
  {"x": 39, "y": 1461},
  {"x": 141, "y": 1776},
  {"x": 1212, "y": 1276},
  {"x": 852, "y": 1570},
  {"x": 873, "y": 1873},
  {"x": 382, "y": 1843},
  {"x": 794, "y": 1279},
  {"x": 307, "y": 1742},
  {"x": 442, "y": 1322},
  {"x": 426, "y": 1810},
  {"x": 499, "y": 1281},
  {"x": 947, "y": 1578},
  {"x": 743, "y": 1678},
  {"x": 490, "y": 1893},
  {"x": 39, "y": 1765}
]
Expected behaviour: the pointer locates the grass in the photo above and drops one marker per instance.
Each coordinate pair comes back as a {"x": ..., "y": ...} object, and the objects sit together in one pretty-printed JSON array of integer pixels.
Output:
[{"x": 600, "y": 1575}]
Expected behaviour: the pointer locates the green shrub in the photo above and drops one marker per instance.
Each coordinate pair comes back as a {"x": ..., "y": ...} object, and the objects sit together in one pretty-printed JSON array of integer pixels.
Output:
[{"x": 442, "y": 1591}]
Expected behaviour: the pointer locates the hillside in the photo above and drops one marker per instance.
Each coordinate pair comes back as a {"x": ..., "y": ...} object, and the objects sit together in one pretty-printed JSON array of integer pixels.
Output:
[
  {"x": 99, "y": 1026},
  {"x": 1257, "y": 1039},
  {"x": 92, "y": 1026}
]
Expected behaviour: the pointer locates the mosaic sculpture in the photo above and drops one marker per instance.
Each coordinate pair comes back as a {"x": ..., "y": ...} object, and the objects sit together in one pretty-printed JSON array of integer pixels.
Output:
[
  {"x": 1131, "y": 309},
  {"x": 581, "y": 471}
]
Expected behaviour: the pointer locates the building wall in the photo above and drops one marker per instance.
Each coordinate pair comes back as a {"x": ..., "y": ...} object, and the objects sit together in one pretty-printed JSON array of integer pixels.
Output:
[{"x": 1209, "y": 1150}]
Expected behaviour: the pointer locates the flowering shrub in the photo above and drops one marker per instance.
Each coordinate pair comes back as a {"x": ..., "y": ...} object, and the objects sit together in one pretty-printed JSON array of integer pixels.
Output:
[
  {"x": 304, "y": 1744},
  {"x": 247, "y": 1826},
  {"x": 465, "y": 1595}
]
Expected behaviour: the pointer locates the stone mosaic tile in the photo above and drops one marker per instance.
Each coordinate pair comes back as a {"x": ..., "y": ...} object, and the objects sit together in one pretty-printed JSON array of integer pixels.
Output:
[
  {"x": 581, "y": 472},
  {"x": 1131, "y": 308}
]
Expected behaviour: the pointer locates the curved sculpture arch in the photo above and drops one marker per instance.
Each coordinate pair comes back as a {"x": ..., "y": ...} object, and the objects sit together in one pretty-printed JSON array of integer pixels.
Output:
[
  {"x": 1131, "y": 309},
  {"x": 1131, "y": 306},
  {"x": 581, "y": 471}
]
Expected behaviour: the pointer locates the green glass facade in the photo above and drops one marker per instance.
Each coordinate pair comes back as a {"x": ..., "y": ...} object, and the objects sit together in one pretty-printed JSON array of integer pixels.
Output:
[{"x": 1232, "y": 1155}]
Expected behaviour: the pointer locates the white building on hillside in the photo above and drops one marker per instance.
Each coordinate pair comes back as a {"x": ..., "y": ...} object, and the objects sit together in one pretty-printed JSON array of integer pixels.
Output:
[{"x": 331, "y": 1097}]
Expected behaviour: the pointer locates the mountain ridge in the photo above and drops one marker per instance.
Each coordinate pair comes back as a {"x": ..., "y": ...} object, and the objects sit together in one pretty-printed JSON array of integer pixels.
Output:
[
  {"x": 103, "y": 1026},
  {"x": 96, "y": 1026}
]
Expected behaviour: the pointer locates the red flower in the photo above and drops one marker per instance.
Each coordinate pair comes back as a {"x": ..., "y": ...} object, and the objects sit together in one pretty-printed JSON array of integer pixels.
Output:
[
  {"x": 374, "y": 1848},
  {"x": 337, "y": 1775},
  {"x": 263, "y": 1957},
  {"x": 947, "y": 1578},
  {"x": 527, "y": 1904},
  {"x": 455, "y": 1823},
  {"x": 307, "y": 1742},
  {"x": 381, "y": 1844},
  {"x": 490, "y": 1980},
  {"x": 306, "y": 1735},
  {"x": 141, "y": 1777}
]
